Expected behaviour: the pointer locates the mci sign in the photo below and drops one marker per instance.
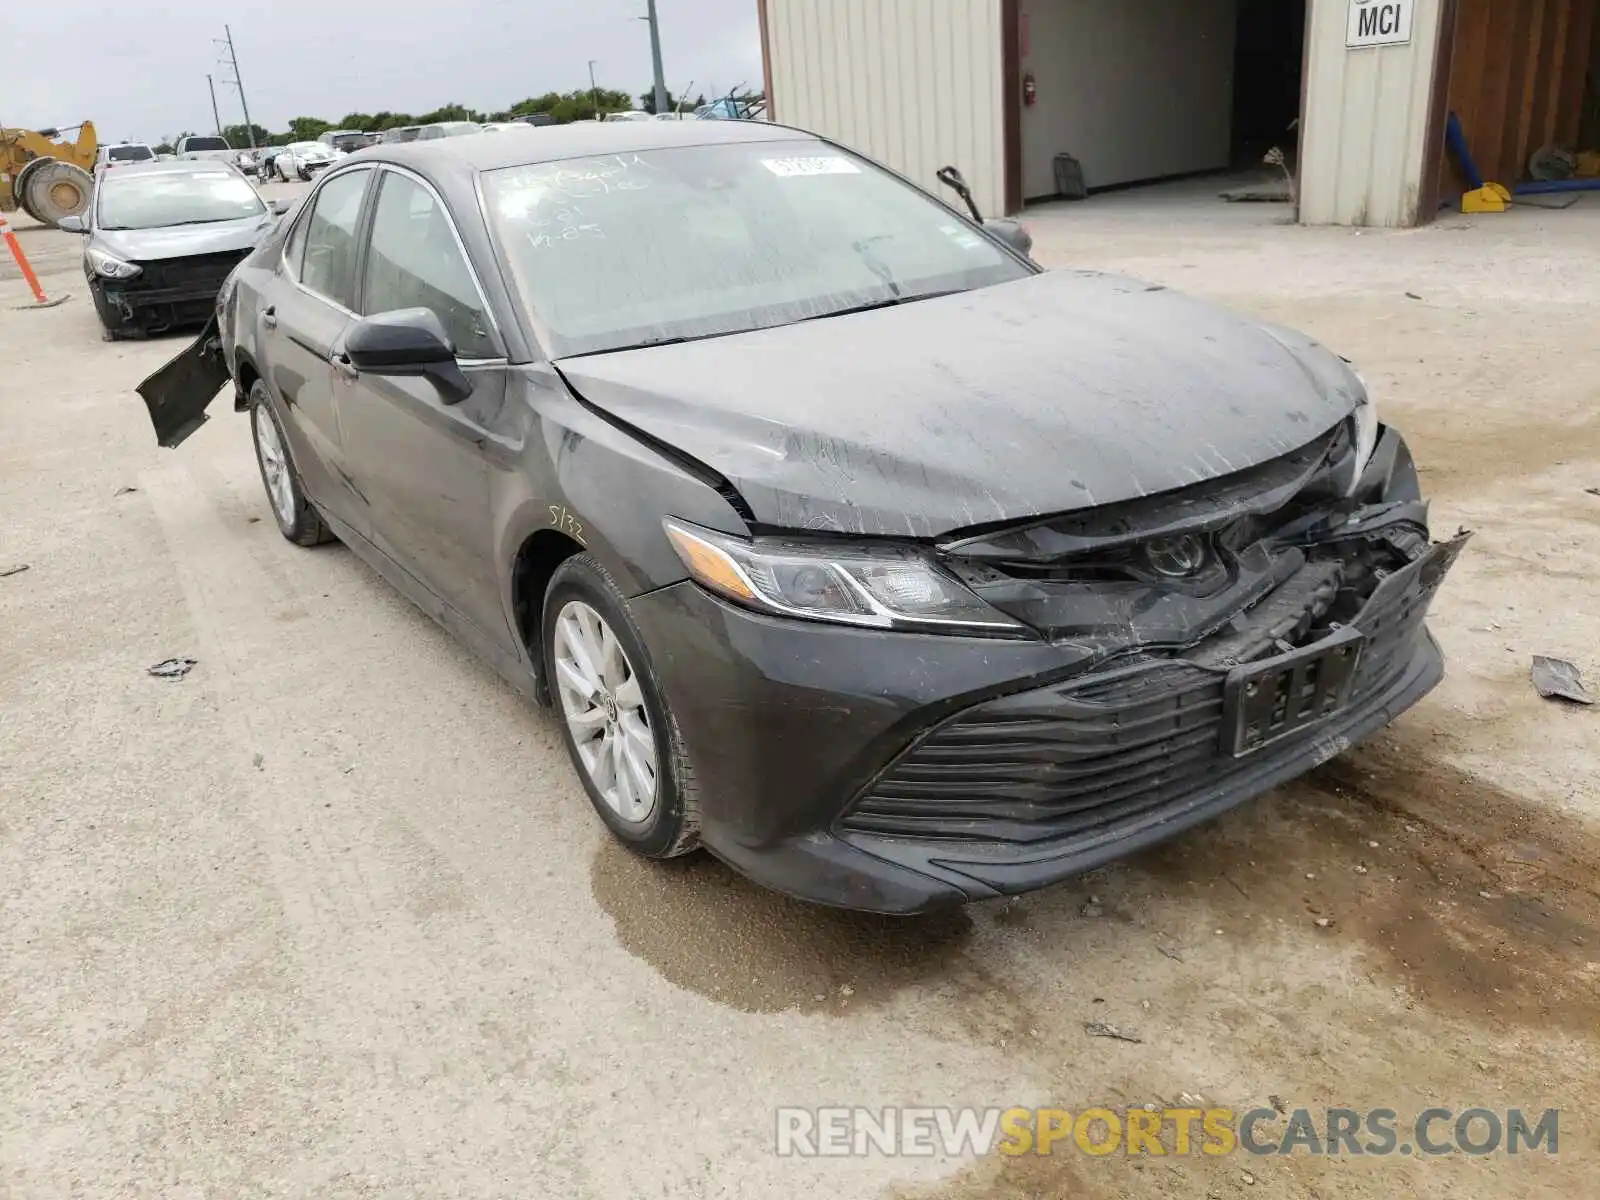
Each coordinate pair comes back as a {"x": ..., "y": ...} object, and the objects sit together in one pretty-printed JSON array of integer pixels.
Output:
[{"x": 1379, "y": 23}]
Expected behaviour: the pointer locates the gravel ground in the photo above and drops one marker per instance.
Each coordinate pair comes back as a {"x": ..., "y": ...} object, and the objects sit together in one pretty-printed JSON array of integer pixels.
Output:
[{"x": 330, "y": 916}]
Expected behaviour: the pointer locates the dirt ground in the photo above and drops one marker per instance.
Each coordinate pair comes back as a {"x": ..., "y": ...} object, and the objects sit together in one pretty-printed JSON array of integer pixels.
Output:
[{"x": 331, "y": 917}]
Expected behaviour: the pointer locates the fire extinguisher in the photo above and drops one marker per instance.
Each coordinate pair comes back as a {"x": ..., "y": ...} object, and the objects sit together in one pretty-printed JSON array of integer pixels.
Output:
[{"x": 1030, "y": 90}]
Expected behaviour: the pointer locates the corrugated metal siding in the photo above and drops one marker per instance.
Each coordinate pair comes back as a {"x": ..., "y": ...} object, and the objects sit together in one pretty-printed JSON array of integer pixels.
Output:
[
  {"x": 1365, "y": 135},
  {"x": 913, "y": 83},
  {"x": 1517, "y": 78}
]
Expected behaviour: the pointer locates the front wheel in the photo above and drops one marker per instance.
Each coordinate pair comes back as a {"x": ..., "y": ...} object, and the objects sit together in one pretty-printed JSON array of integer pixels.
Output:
[
  {"x": 619, "y": 732},
  {"x": 297, "y": 519}
]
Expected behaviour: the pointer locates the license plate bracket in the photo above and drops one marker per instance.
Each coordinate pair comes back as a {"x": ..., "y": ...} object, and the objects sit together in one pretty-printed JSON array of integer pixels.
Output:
[{"x": 1266, "y": 701}]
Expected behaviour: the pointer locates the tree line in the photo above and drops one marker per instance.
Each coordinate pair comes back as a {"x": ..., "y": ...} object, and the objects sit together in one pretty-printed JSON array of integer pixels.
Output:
[{"x": 561, "y": 107}]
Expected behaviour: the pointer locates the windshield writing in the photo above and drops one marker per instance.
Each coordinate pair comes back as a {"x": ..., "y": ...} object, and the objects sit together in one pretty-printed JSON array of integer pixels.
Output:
[{"x": 632, "y": 249}]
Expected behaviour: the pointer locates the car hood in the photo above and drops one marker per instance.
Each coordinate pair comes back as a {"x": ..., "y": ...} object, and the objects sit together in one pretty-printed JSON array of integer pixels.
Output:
[
  {"x": 1062, "y": 391},
  {"x": 180, "y": 241}
]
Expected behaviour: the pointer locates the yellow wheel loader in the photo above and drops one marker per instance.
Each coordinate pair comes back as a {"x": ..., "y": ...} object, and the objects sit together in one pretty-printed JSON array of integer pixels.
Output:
[{"x": 45, "y": 175}]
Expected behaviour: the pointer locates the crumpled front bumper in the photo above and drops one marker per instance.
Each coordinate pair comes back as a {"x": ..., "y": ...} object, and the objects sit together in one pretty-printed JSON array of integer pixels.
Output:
[
  {"x": 901, "y": 772},
  {"x": 137, "y": 310}
]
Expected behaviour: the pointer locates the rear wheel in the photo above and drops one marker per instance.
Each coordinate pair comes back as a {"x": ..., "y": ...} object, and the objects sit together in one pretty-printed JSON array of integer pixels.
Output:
[
  {"x": 619, "y": 732},
  {"x": 297, "y": 519}
]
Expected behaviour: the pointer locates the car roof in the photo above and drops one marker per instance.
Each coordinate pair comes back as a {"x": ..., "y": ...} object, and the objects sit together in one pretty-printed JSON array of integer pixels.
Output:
[{"x": 484, "y": 152}]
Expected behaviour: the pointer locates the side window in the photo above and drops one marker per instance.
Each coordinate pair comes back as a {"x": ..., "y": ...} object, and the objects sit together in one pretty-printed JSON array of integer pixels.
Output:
[
  {"x": 295, "y": 248},
  {"x": 329, "y": 266},
  {"x": 415, "y": 262}
]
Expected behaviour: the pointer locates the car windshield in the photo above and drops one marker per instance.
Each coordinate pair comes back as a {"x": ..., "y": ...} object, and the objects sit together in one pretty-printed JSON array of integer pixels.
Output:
[
  {"x": 689, "y": 242},
  {"x": 130, "y": 154},
  {"x": 157, "y": 200},
  {"x": 205, "y": 143}
]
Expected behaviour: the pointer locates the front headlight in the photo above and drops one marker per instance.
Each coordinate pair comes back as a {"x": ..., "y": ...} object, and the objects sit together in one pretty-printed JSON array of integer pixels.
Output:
[
  {"x": 888, "y": 588},
  {"x": 108, "y": 267},
  {"x": 1364, "y": 422}
]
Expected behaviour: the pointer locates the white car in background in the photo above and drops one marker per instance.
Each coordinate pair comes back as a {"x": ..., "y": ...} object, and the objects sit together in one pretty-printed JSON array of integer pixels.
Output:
[
  {"x": 198, "y": 148},
  {"x": 503, "y": 126},
  {"x": 302, "y": 160}
]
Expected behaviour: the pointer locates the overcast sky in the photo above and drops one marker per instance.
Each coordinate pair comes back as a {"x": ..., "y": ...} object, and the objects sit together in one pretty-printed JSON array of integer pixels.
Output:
[{"x": 138, "y": 70}]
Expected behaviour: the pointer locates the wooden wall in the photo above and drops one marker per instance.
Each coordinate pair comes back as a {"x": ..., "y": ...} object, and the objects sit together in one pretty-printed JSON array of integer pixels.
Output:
[{"x": 1517, "y": 80}]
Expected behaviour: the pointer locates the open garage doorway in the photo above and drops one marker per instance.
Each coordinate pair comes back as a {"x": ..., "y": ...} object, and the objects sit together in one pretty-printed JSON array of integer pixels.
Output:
[{"x": 1142, "y": 91}]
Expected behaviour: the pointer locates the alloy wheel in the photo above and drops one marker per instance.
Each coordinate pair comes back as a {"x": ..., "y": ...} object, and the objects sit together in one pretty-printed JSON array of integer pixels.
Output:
[
  {"x": 274, "y": 466},
  {"x": 605, "y": 711}
]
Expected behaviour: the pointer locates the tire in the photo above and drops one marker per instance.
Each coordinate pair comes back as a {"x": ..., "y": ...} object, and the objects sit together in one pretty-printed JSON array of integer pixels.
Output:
[
  {"x": 19, "y": 187},
  {"x": 580, "y": 590},
  {"x": 58, "y": 189},
  {"x": 305, "y": 175},
  {"x": 297, "y": 518}
]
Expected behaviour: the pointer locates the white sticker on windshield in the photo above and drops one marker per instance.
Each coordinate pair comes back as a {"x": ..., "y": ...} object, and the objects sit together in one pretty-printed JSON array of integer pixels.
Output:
[
  {"x": 964, "y": 238},
  {"x": 832, "y": 164}
]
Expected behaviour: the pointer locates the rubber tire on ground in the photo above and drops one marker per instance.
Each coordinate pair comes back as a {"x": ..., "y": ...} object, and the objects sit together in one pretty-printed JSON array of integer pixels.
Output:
[
  {"x": 308, "y": 527},
  {"x": 673, "y": 827},
  {"x": 44, "y": 181},
  {"x": 19, "y": 186},
  {"x": 305, "y": 175}
]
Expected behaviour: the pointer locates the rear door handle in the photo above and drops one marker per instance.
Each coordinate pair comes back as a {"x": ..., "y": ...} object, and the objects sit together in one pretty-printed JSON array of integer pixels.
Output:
[
  {"x": 344, "y": 366},
  {"x": 270, "y": 318}
]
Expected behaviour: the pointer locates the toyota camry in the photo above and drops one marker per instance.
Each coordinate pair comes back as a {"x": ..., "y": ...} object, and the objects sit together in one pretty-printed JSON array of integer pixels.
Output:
[{"x": 844, "y": 540}]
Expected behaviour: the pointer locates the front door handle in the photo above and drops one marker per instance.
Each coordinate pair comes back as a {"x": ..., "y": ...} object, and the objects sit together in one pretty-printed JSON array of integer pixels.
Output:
[{"x": 344, "y": 366}]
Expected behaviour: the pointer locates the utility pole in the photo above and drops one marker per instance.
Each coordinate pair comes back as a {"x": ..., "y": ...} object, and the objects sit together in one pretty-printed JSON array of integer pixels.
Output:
[
  {"x": 238, "y": 82},
  {"x": 655, "y": 58},
  {"x": 217, "y": 119},
  {"x": 595, "y": 88}
]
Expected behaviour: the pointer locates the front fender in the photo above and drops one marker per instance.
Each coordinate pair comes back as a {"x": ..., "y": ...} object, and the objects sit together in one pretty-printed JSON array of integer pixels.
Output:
[
  {"x": 593, "y": 483},
  {"x": 588, "y": 479}
]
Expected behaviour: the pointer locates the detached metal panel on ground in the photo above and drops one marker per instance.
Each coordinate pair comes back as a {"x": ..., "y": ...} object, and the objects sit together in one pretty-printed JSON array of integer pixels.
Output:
[
  {"x": 913, "y": 83},
  {"x": 1366, "y": 128}
]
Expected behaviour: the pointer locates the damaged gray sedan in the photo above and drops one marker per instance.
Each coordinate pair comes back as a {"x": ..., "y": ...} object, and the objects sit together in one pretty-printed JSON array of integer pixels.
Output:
[{"x": 844, "y": 541}]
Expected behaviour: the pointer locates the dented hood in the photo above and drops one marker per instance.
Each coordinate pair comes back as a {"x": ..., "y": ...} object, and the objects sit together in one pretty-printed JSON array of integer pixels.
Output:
[
  {"x": 182, "y": 241},
  {"x": 1061, "y": 391}
]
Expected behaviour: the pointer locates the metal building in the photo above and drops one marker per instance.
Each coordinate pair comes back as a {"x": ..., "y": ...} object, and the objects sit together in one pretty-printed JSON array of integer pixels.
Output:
[{"x": 1356, "y": 93}]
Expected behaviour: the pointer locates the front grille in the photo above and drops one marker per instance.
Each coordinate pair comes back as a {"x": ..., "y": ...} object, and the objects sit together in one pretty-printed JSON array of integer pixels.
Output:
[
  {"x": 1061, "y": 761},
  {"x": 198, "y": 271}
]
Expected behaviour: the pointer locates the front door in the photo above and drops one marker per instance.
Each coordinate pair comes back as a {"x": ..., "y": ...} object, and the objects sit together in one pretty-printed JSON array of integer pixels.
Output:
[
  {"x": 424, "y": 464},
  {"x": 301, "y": 319}
]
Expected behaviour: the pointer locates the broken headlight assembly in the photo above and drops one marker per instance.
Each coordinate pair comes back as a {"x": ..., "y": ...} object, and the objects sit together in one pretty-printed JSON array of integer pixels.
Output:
[
  {"x": 1356, "y": 443},
  {"x": 108, "y": 267},
  {"x": 879, "y": 588}
]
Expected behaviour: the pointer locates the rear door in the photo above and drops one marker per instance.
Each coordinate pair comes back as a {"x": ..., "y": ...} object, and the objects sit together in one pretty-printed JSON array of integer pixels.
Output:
[
  {"x": 425, "y": 465},
  {"x": 303, "y": 316}
]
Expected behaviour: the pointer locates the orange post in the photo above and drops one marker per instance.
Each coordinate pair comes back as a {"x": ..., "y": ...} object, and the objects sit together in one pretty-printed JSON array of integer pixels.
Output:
[{"x": 39, "y": 299}]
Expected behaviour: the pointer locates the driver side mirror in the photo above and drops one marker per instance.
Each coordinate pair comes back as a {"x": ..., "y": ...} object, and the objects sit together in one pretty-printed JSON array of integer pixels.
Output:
[
  {"x": 408, "y": 341},
  {"x": 72, "y": 224},
  {"x": 1012, "y": 233},
  {"x": 279, "y": 207}
]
